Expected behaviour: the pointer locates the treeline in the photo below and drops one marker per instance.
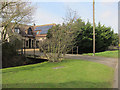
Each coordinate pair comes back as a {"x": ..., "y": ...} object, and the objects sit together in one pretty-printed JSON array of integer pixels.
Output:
[{"x": 104, "y": 36}]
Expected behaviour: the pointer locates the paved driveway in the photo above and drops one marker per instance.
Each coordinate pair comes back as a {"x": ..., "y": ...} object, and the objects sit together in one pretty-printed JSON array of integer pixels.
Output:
[{"x": 103, "y": 60}]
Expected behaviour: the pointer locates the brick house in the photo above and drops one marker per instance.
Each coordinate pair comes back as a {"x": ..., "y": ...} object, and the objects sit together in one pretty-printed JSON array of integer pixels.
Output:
[{"x": 32, "y": 35}]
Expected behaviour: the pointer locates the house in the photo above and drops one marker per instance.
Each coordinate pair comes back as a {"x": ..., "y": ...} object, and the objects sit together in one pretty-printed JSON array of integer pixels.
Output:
[
  {"x": 41, "y": 32},
  {"x": 26, "y": 31},
  {"x": 18, "y": 29},
  {"x": 33, "y": 35}
]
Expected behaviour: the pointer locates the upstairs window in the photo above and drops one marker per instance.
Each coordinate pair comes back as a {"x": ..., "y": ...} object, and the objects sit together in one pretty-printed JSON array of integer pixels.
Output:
[
  {"x": 30, "y": 31},
  {"x": 17, "y": 30}
]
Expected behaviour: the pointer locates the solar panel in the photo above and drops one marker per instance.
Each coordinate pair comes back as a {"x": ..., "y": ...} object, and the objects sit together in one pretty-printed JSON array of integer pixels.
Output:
[
  {"x": 37, "y": 32},
  {"x": 44, "y": 29}
]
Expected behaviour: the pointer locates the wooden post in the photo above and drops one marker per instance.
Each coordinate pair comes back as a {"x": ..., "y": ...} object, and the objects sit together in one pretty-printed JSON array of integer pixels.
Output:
[
  {"x": 72, "y": 50},
  {"x": 22, "y": 51},
  {"x": 77, "y": 50},
  {"x": 31, "y": 43},
  {"x": 28, "y": 42},
  {"x": 24, "y": 46},
  {"x": 34, "y": 47},
  {"x": 35, "y": 44},
  {"x": 93, "y": 28}
]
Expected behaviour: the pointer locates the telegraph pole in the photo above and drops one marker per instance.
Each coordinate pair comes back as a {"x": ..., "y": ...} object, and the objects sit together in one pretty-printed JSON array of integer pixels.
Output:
[{"x": 93, "y": 28}]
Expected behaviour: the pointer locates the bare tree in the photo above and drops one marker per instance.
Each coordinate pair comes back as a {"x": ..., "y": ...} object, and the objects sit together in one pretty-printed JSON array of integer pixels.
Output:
[
  {"x": 60, "y": 41},
  {"x": 13, "y": 14}
]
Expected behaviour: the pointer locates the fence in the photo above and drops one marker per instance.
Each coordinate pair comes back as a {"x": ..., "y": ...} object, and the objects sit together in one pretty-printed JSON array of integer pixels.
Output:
[
  {"x": 35, "y": 51},
  {"x": 75, "y": 51}
]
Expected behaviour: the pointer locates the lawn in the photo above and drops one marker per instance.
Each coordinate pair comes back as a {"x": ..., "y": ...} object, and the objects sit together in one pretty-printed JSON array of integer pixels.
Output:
[
  {"x": 111, "y": 54},
  {"x": 69, "y": 74}
]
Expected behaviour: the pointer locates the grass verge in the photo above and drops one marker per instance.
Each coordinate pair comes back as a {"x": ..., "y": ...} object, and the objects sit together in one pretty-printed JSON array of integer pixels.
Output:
[
  {"x": 111, "y": 54},
  {"x": 73, "y": 74}
]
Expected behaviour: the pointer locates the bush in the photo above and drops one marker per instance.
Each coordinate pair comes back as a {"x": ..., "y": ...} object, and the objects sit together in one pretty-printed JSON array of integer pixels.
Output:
[
  {"x": 111, "y": 47},
  {"x": 13, "y": 61},
  {"x": 8, "y": 50},
  {"x": 10, "y": 56}
]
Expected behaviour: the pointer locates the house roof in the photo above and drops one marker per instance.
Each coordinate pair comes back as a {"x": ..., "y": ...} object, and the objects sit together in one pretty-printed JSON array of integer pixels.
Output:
[
  {"x": 44, "y": 28},
  {"x": 39, "y": 30},
  {"x": 22, "y": 28}
]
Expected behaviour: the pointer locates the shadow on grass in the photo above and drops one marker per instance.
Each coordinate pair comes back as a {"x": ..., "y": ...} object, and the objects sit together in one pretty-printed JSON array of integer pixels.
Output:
[{"x": 72, "y": 84}]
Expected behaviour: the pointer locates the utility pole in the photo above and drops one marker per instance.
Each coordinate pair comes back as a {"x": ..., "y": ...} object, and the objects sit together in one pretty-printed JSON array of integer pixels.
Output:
[{"x": 93, "y": 28}]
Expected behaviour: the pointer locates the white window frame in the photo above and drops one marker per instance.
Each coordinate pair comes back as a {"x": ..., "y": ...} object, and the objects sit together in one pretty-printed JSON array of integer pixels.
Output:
[{"x": 17, "y": 30}]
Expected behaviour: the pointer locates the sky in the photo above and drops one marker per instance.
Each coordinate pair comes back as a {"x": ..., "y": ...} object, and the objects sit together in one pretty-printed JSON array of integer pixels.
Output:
[{"x": 53, "y": 12}]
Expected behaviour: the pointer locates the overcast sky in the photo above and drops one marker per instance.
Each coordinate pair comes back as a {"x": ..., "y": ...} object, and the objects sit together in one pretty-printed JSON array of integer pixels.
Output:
[{"x": 53, "y": 12}]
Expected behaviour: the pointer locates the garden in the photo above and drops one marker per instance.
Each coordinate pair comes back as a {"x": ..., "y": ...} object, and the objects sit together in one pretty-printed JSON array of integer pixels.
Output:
[{"x": 69, "y": 73}]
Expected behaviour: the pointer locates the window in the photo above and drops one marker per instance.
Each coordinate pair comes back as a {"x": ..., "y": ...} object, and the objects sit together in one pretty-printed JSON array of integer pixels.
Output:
[
  {"x": 26, "y": 43},
  {"x": 30, "y": 31},
  {"x": 17, "y": 30},
  {"x": 32, "y": 43},
  {"x": 37, "y": 44},
  {"x": 37, "y": 32}
]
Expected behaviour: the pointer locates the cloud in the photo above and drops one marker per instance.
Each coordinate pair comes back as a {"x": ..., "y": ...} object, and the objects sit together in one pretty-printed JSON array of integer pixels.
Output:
[
  {"x": 109, "y": 18},
  {"x": 74, "y": 0},
  {"x": 107, "y": 0},
  {"x": 43, "y": 17},
  {"x": 64, "y": 0},
  {"x": 106, "y": 15}
]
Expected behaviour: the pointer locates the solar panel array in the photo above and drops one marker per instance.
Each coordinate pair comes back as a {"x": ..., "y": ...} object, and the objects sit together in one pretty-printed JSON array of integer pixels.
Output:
[{"x": 44, "y": 29}]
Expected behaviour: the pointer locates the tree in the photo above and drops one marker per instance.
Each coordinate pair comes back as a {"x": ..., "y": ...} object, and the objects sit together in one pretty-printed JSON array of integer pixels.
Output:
[
  {"x": 103, "y": 34},
  {"x": 115, "y": 39},
  {"x": 59, "y": 40},
  {"x": 84, "y": 38},
  {"x": 104, "y": 37},
  {"x": 13, "y": 14}
]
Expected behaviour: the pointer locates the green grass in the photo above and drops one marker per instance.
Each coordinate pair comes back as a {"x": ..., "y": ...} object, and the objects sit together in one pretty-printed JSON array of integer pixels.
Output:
[
  {"x": 111, "y": 54},
  {"x": 74, "y": 74}
]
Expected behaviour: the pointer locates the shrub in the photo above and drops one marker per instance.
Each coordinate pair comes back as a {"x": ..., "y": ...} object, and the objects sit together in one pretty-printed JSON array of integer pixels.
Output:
[{"x": 10, "y": 56}]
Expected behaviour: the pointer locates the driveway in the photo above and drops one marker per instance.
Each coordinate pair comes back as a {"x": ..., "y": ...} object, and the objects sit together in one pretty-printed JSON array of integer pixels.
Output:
[
  {"x": 111, "y": 62},
  {"x": 103, "y": 60}
]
